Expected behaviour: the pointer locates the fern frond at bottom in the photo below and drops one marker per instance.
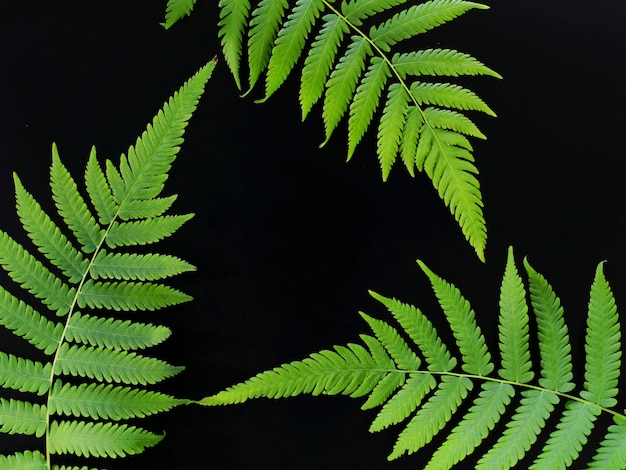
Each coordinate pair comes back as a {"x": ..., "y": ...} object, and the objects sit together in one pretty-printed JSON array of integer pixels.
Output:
[{"x": 387, "y": 369}]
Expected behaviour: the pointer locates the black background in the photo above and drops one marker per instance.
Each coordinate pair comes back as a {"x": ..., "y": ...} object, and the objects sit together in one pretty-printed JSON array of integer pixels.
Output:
[{"x": 288, "y": 237}]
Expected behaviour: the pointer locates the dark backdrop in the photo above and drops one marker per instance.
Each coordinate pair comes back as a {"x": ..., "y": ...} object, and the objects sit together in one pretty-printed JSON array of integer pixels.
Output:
[{"x": 288, "y": 237}]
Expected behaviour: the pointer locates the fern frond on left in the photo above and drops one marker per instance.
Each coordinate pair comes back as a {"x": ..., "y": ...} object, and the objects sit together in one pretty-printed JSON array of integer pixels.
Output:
[
  {"x": 94, "y": 375},
  {"x": 415, "y": 378}
]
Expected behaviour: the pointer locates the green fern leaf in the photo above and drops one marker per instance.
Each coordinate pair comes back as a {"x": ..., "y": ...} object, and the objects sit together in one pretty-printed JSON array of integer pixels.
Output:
[
  {"x": 112, "y": 366},
  {"x": 357, "y": 10},
  {"x": 479, "y": 420},
  {"x": 24, "y": 461},
  {"x": 415, "y": 113},
  {"x": 438, "y": 62},
  {"x": 554, "y": 345},
  {"x": 426, "y": 398},
  {"x": 418, "y": 19},
  {"x": 290, "y": 42},
  {"x": 602, "y": 346},
  {"x": 232, "y": 24},
  {"x": 99, "y": 190},
  {"x": 391, "y": 126},
  {"x": 114, "y": 334},
  {"x": 449, "y": 96},
  {"x": 343, "y": 82},
  {"x": 67, "y": 268},
  {"x": 513, "y": 326},
  {"x": 132, "y": 266},
  {"x": 99, "y": 439},
  {"x": 129, "y": 296},
  {"x": 20, "y": 417},
  {"x": 366, "y": 101},
  {"x": 446, "y": 157},
  {"x": 33, "y": 276},
  {"x": 612, "y": 451},
  {"x": 264, "y": 24},
  {"x": 319, "y": 61},
  {"x": 24, "y": 375},
  {"x": 50, "y": 241},
  {"x": 72, "y": 206},
  {"x": 99, "y": 401},
  {"x": 142, "y": 232},
  {"x": 26, "y": 322},
  {"x": 176, "y": 10}
]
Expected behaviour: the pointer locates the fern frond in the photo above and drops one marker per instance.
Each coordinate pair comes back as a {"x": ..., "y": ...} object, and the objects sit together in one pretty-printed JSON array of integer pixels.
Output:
[
  {"x": 513, "y": 326},
  {"x": 391, "y": 125},
  {"x": 100, "y": 401},
  {"x": 114, "y": 334},
  {"x": 27, "y": 460},
  {"x": 602, "y": 345},
  {"x": 112, "y": 365},
  {"x": 176, "y": 10},
  {"x": 290, "y": 42},
  {"x": 554, "y": 345},
  {"x": 72, "y": 206},
  {"x": 99, "y": 439},
  {"x": 129, "y": 296},
  {"x": 350, "y": 61},
  {"x": 26, "y": 322},
  {"x": 21, "y": 417},
  {"x": 24, "y": 375},
  {"x": 438, "y": 62},
  {"x": 325, "y": 372},
  {"x": 70, "y": 269},
  {"x": 612, "y": 450},
  {"x": 343, "y": 82},
  {"x": 132, "y": 266},
  {"x": 479, "y": 420},
  {"x": 46, "y": 235},
  {"x": 426, "y": 398},
  {"x": 264, "y": 24},
  {"x": 417, "y": 20},
  {"x": 143, "y": 232},
  {"x": 232, "y": 24},
  {"x": 99, "y": 190},
  {"x": 33, "y": 276}
]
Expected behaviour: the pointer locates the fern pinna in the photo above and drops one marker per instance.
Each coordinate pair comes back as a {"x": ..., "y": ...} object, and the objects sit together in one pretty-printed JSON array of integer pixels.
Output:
[
  {"x": 351, "y": 60},
  {"x": 93, "y": 379},
  {"x": 426, "y": 385}
]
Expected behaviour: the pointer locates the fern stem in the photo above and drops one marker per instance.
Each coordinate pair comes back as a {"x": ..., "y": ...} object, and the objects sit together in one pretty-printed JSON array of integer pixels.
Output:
[
  {"x": 389, "y": 63},
  {"x": 513, "y": 383},
  {"x": 79, "y": 287}
]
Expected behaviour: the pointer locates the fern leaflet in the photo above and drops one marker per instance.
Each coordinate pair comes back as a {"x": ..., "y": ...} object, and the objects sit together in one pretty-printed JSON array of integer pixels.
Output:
[
  {"x": 92, "y": 377},
  {"x": 388, "y": 369}
]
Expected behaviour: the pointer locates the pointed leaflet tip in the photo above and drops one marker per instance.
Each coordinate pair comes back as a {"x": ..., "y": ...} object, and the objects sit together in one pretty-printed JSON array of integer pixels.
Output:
[
  {"x": 425, "y": 269},
  {"x": 375, "y": 295}
]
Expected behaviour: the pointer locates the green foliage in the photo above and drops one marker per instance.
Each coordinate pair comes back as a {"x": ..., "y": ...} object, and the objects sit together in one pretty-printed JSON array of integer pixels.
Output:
[
  {"x": 350, "y": 60},
  {"x": 92, "y": 376},
  {"x": 425, "y": 383}
]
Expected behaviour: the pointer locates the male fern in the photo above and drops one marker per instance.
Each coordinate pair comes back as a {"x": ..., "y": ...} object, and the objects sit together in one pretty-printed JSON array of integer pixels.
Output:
[
  {"x": 351, "y": 60},
  {"x": 424, "y": 384},
  {"x": 94, "y": 376}
]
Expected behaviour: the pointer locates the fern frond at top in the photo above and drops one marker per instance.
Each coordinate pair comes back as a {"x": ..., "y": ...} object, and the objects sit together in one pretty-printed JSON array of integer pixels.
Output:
[
  {"x": 93, "y": 376},
  {"x": 388, "y": 370},
  {"x": 351, "y": 63}
]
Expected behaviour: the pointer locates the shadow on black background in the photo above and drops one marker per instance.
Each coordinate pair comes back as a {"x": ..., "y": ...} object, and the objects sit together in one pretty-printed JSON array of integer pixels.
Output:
[{"x": 288, "y": 237}]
